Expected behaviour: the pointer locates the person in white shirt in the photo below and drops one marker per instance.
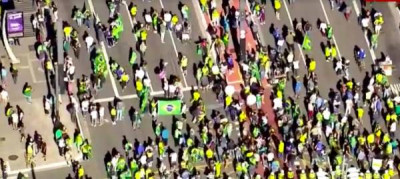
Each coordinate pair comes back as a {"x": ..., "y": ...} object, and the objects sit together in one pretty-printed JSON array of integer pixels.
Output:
[
  {"x": 148, "y": 20},
  {"x": 365, "y": 23},
  {"x": 139, "y": 74},
  {"x": 147, "y": 82},
  {"x": 167, "y": 19},
  {"x": 89, "y": 42},
  {"x": 4, "y": 96},
  {"x": 93, "y": 116},
  {"x": 296, "y": 67},
  {"x": 15, "y": 120},
  {"x": 85, "y": 106},
  {"x": 173, "y": 160},
  {"x": 322, "y": 27},
  {"x": 101, "y": 114}
]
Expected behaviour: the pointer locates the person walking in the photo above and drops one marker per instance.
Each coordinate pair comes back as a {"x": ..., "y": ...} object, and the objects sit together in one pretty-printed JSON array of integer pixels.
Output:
[
  {"x": 277, "y": 7},
  {"x": 86, "y": 150},
  {"x": 27, "y": 92},
  {"x": 113, "y": 114},
  {"x": 14, "y": 73},
  {"x": 120, "y": 110}
]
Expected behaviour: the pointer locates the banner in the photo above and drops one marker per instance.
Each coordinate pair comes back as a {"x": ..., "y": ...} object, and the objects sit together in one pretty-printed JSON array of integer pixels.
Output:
[
  {"x": 169, "y": 107},
  {"x": 307, "y": 43},
  {"x": 15, "y": 24}
]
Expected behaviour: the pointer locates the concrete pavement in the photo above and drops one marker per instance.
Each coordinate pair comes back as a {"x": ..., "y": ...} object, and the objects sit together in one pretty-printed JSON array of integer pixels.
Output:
[
  {"x": 347, "y": 35},
  {"x": 34, "y": 117}
]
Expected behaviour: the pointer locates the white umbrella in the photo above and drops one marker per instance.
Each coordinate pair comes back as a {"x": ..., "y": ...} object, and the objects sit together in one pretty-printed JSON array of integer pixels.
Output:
[
  {"x": 229, "y": 90},
  {"x": 251, "y": 100},
  {"x": 397, "y": 99}
]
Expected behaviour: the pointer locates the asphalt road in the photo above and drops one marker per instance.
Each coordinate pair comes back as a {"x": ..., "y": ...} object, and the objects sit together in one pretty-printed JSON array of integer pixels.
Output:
[{"x": 347, "y": 34}]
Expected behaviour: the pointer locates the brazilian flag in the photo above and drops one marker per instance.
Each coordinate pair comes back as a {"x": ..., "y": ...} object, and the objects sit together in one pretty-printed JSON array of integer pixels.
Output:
[
  {"x": 169, "y": 107},
  {"x": 307, "y": 43}
]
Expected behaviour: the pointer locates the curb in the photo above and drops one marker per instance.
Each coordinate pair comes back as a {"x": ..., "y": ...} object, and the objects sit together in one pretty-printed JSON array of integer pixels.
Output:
[{"x": 14, "y": 59}]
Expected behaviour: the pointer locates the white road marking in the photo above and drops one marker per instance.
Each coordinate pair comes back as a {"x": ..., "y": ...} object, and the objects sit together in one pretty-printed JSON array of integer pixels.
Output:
[
  {"x": 23, "y": 67},
  {"x": 204, "y": 26},
  {"x": 113, "y": 83},
  {"x": 395, "y": 88},
  {"x": 50, "y": 166},
  {"x": 176, "y": 51},
  {"x": 79, "y": 123},
  {"x": 291, "y": 24},
  {"x": 131, "y": 21},
  {"x": 134, "y": 96},
  {"x": 103, "y": 48},
  {"x": 333, "y": 36},
  {"x": 31, "y": 71},
  {"x": 258, "y": 24},
  {"x": 357, "y": 10}
]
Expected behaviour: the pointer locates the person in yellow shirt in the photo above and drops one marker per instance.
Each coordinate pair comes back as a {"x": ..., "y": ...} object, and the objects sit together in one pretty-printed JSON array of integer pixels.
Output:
[
  {"x": 133, "y": 11},
  {"x": 174, "y": 20},
  {"x": 328, "y": 52},
  {"x": 183, "y": 62},
  {"x": 81, "y": 172},
  {"x": 333, "y": 51},
  {"x": 67, "y": 33},
  {"x": 204, "y": 5},
  {"x": 124, "y": 80},
  {"x": 277, "y": 7},
  {"x": 215, "y": 16},
  {"x": 312, "y": 65}
]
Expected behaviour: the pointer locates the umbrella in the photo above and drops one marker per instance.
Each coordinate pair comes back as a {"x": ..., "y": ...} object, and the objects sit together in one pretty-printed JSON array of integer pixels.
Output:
[
  {"x": 251, "y": 100},
  {"x": 229, "y": 90},
  {"x": 58, "y": 134},
  {"x": 396, "y": 99},
  {"x": 165, "y": 134},
  {"x": 275, "y": 166}
]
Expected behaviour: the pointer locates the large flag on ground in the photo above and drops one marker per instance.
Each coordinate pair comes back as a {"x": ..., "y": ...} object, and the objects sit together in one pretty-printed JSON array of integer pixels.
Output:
[
  {"x": 169, "y": 107},
  {"x": 306, "y": 43}
]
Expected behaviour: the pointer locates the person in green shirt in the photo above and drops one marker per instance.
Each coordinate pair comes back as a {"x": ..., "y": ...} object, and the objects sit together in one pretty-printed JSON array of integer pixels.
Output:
[
  {"x": 27, "y": 92},
  {"x": 374, "y": 41},
  {"x": 86, "y": 150}
]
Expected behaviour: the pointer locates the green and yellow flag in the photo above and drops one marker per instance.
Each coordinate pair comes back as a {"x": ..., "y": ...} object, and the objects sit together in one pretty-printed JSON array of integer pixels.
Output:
[
  {"x": 306, "y": 43},
  {"x": 169, "y": 107}
]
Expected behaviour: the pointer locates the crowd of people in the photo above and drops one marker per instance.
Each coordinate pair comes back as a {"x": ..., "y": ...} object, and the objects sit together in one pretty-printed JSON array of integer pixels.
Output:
[
  {"x": 327, "y": 130},
  {"x": 258, "y": 149}
]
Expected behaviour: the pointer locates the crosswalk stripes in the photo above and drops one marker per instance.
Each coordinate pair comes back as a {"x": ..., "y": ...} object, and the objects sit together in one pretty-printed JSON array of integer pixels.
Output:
[{"x": 395, "y": 88}]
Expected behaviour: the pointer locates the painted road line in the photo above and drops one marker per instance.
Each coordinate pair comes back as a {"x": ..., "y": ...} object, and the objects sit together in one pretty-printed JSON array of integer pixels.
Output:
[
  {"x": 132, "y": 25},
  {"x": 333, "y": 36},
  {"x": 134, "y": 96},
  {"x": 260, "y": 35},
  {"x": 176, "y": 51},
  {"x": 291, "y": 24},
  {"x": 79, "y": 123},
  {"x": 50, "y": 166},
  {"x": 31, "y": 71},
  {"x": 103, "y": 48},
  {"x": 395, "y": 88},
  {"x": 357, "y": 10},
  {"x": 200, "y": 15},
  {"x": 113, "y": 83}
]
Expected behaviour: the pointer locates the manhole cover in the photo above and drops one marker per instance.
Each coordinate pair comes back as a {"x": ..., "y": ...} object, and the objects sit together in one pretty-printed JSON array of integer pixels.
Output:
[
  {"x": 12, "y": 157},
  {"x": 2, "y": 139},
  {"x": 31, "y": 48}
]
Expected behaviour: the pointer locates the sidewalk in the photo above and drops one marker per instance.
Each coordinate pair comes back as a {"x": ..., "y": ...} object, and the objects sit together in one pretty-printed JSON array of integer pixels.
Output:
[{"x": 12, "y": 150}]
